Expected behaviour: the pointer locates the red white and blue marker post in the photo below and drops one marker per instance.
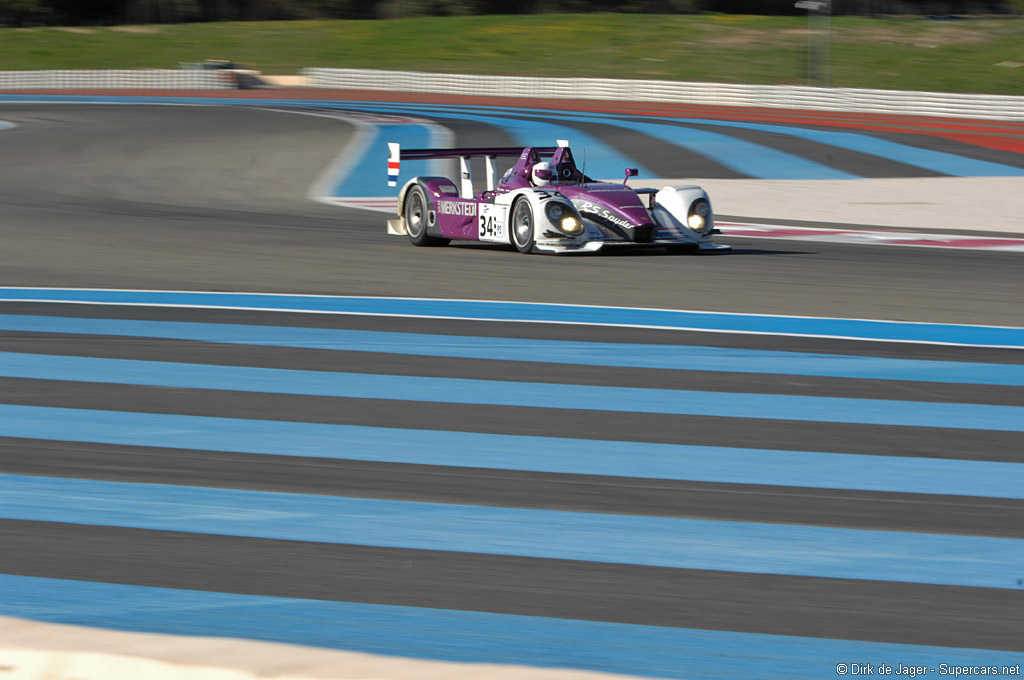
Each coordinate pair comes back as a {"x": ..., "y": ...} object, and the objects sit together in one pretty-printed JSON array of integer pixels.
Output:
[{"x": 393, "y": 163}]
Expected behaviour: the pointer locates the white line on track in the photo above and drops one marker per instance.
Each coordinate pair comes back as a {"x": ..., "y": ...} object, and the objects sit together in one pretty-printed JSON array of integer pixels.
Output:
[
  {"x": 881, "y": 330},
  {"x": 366, "y": 132},
  {"x": 870, "y": 236}
]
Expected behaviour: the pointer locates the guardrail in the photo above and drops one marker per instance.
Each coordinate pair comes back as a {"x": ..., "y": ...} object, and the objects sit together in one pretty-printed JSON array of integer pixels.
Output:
[
  {"x": 765, "y": 96},
  {"x": 938, "y": 104},
  {"x": 138, "y": 79}
]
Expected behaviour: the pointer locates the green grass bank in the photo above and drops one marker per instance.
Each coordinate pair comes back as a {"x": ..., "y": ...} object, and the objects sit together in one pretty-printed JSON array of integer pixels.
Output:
[{"x": 969, "y": 55}]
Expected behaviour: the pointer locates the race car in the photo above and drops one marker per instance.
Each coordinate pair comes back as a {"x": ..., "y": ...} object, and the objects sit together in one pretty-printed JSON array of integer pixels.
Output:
[{"x": 546, "y": 206}]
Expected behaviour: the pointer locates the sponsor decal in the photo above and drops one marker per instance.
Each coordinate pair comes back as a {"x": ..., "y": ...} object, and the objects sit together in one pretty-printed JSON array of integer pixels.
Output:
[
  {"x": 462, "y": 208},
  {"x": 491, "y": 223},
  {"x": 600, "y": 214},
  {"x": 448, "y": 189}
]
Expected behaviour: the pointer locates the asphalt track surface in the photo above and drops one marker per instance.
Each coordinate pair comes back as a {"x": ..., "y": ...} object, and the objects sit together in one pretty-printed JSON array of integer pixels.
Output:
[
  {"x": 211, "y": 198},
  {"x": 216, "y": 199}
]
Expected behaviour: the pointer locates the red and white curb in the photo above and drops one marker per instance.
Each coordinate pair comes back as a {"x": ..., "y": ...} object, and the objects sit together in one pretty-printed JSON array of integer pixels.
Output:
[{"x": 872, "y": 237}]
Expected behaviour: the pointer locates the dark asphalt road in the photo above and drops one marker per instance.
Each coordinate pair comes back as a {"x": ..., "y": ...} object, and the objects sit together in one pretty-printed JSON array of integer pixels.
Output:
[{"x": 196, "y": 198}]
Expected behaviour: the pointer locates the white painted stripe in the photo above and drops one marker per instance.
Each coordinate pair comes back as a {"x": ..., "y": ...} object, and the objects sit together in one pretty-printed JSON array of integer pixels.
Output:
[
  {"x": 870, "y": 236},
  {"x": 386, "y": 205},
  {"x": 366, "y": 132},
  {"x": 874, "y": 330}
]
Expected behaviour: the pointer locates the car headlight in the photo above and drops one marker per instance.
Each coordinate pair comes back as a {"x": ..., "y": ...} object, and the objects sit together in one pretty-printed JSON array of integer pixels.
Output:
[
  {"x": 563, "y": 217},
  {"x": 571, "y": 225},
  {"x": 699, "y": 219}
]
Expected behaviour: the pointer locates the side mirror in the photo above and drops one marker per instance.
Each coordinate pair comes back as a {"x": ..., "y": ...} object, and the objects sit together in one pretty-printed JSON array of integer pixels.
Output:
[{"x": 630, "y": 172}]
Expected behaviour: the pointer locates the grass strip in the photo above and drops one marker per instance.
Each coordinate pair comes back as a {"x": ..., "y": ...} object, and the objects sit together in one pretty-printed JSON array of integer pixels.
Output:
[{"x": 971, "y": 55}]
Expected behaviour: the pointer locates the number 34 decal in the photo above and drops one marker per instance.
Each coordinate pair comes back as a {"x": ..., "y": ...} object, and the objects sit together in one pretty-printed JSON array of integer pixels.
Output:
[{"x": 491, "y": 226}]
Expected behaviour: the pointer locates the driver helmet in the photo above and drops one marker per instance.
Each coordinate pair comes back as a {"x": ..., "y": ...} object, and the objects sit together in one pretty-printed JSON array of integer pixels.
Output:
[{"x": 541, "y": 174}]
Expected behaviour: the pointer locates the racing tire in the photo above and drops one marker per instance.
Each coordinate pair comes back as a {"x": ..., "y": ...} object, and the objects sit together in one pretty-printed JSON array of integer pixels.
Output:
[
  {"x": 523, "y": 226},
  {"x": 417, "y": 212},
  {"x": 682, "y": 248}
]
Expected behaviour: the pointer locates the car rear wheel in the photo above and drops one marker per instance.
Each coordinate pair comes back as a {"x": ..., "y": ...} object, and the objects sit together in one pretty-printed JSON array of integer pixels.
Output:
[
  {"x": 522, "y": 226},
  {"x": 417, "y": 215}
]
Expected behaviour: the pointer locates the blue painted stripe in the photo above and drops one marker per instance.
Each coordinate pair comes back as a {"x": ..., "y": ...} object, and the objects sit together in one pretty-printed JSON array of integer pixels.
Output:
[
  {"x": 599, "y": 158},
  {"x": 602, "y": 159},
  {"x": 363, "y": 177},
  {"x": 752, "y": 159},
  {"x": 863, "y": 329},
  {"x": 510, "y": 393},
  {"x": 514, "y": 452},
  {"x": 748, "y": 158},
  {"x": 937, "y": 161},
  {"x": 947, "y": 163},
  {"x": 465, "y": 636},
  {"x": 621, "y": 539},
  {"x": 633, "y": 355}
]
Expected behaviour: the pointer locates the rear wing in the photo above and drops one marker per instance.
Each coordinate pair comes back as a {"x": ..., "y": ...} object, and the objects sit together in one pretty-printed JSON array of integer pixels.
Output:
[{"x": 396, "y": 155}]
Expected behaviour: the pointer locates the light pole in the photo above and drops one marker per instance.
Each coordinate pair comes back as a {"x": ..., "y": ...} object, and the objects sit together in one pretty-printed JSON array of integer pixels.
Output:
[{"x": 819, "y": 57}]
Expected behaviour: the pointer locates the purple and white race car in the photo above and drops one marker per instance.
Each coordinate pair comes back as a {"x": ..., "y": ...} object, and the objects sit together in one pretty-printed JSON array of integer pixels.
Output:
[{"x": 546, "y": 206}]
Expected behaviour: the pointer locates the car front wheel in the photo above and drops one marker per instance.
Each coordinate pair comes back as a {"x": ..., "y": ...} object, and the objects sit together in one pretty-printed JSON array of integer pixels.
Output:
[{"x": 522, "y": 226}]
